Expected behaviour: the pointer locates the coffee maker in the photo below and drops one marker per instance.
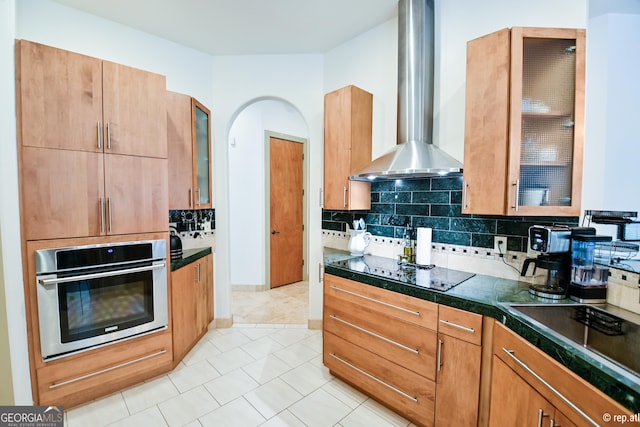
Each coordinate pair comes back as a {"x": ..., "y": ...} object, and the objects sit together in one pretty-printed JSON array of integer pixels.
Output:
[
  {"x": 552, "y": 244},
  {"x": 589, "y": 268}
]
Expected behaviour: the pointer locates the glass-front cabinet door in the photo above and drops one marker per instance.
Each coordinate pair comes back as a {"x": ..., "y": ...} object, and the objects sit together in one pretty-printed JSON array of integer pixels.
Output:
[
  {"x": 201, "y": 133},
  {"x": 547, "y": 116}
]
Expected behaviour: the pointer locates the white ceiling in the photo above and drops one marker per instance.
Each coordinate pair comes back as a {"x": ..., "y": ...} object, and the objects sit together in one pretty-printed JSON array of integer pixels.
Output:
[{"x": 238, "y": 27}]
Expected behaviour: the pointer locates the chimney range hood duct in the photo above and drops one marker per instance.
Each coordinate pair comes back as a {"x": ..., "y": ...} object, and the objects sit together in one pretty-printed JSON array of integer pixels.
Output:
[{"x": 415, "y": 156}]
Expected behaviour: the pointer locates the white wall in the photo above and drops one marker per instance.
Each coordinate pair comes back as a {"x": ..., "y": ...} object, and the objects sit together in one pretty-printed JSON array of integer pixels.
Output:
[
  {"x": 239, "y": 80},
  {"x": 247, "y": 184},
  {"x": 613, "y": 107}
]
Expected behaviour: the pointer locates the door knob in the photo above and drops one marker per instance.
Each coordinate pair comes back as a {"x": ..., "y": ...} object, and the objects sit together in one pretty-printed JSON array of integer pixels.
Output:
[{"x": 274, "y": 232}]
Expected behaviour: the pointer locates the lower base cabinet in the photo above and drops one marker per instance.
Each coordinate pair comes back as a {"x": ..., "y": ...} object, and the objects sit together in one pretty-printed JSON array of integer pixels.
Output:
[
  {"x": 529, "y": 388},
  {"x": 76, "y": 379},
  {"x": 191, "y": 304},
  {"x": 401, "y": 352}
]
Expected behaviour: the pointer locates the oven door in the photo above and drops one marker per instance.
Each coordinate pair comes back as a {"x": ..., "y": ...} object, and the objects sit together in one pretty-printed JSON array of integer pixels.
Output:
[{"x": 77, "y": 312}]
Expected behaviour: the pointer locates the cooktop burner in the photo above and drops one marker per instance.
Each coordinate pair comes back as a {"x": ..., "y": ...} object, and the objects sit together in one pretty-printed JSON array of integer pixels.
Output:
[{"x": 431, "y": 277}]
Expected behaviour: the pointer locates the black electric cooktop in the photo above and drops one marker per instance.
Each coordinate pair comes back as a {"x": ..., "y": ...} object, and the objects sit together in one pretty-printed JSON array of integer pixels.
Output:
[{"x": 430, "y": 277}]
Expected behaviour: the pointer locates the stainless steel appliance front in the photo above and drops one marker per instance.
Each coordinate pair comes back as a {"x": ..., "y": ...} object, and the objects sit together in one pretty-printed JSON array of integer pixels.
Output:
[{"x": 96, "y": 294}]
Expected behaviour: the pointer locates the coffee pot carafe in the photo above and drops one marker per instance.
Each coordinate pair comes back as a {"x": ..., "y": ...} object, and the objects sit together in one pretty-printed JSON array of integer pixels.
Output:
[{"x": 551, "y": 284}]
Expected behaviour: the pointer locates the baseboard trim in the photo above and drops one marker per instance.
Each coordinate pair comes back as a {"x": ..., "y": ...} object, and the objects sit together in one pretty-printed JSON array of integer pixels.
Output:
[{"x": 314, "y": 324}]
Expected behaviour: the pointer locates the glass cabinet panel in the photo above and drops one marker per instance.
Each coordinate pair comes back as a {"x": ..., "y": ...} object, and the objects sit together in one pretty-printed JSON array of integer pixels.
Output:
[
  {"x": 202, "y": 158},
  {"x": 548, "y": 121}
]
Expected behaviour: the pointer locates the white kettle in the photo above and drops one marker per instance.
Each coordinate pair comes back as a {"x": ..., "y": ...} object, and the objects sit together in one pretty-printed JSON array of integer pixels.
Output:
[{"x": 358, "y": 241}]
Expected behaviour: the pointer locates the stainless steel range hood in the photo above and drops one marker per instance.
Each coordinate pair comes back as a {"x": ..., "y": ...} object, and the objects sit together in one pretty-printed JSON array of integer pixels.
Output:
[{"x": 415, "y": 156}]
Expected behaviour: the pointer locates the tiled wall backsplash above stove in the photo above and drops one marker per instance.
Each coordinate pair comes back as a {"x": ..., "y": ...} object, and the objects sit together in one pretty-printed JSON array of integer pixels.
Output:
[
  {"x": 186, "y": 220},
  {"x": 436, "y": 203}
]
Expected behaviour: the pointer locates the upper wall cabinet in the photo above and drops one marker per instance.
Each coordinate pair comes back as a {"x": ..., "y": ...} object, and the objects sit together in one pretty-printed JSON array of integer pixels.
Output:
[
  {"x": 524, "y": 129},
  {"x": 78, "y": 176},
  {"x": 189, "y": 145},
  {"x": 348, "y": 119},
  {"x": 76, "y": 102}
]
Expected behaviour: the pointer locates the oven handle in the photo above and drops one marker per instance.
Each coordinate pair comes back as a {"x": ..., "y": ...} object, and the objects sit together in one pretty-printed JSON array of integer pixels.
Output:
[{"x": 47, "y": 282}]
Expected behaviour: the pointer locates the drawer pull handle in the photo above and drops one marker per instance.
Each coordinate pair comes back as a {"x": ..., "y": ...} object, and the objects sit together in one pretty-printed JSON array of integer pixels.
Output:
[
  {"x": 373, "y": 334},
  {"x": 455, "y": 325},
  {"x": 110, "y": 368},
  {"x": 368, "y": 375},
  {"x": 511, "y": 354},
  {"x": 415, "y": 313}
]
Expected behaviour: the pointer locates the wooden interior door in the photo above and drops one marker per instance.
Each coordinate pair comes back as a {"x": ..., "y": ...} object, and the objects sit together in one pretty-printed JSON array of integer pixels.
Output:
[{"x": 286, "y": 198}]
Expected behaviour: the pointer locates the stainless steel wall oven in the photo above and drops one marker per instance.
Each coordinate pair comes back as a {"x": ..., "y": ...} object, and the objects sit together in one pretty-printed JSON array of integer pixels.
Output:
[{"x": 96, "y": 294}]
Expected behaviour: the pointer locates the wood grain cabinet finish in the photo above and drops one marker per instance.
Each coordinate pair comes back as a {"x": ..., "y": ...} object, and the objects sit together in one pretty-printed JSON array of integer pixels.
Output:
[
  {"x": 524, "y": 127},
  {"x": 529, "y": 388},
  {"x": 191, "y": 304},
  {"x": 92, "y": 145},
  {"x": 459, "y": 362},
  {"x": 189, "y": 147},
  {"x": 348, "y": 115},
  {"x": 383, "y": 343}
]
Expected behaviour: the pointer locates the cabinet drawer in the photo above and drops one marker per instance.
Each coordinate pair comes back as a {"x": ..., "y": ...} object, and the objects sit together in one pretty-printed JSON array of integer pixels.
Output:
[
  {"x": 534, "y": 366},
  {"x": 401, "y": 342},
  {"x": 393, "y": 304},
  {"x": 80, "y": 378},
  {"x": 460, "y": 324},
  {"x": 411, "y": 395}
]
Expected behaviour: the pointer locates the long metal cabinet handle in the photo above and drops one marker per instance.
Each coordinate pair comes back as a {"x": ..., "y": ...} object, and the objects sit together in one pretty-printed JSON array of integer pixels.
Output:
[
  {"x": 102, "y": 216},
  {"x": 110, "y": 368},
  {"x": 47, "y": 282},
  {"x": 511, "y": 354},
  {"x": 191, "y": 197},
  {"x": 439, "y": 356},
  {"x": 198, "y": 270},
  {"x": 198, "y": 199},
  {"x": 541, "y": 415},
  {"x": 320, "y": 272},
  {"x": 379, "y": 381},
  {"x": 455, "y": 325},
  {"x": 110, "y": 209},
  {"x": 99, "y": 134},
  {"x": 373, "y": 334},
  {"x": 109, "y": 135},
  {"x": 322, "y": 198},
  {"x": 415, "y": 313},
  {"x": 517, "y": 186},
  {"x": 344, "y": 196}
]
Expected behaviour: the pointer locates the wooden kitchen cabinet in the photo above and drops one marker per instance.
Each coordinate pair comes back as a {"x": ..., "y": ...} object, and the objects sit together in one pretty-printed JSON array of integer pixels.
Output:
[
  {"x": 524, "y": 127},
  {"x": 383, "y": 343},
  {"x": 529, "y": 388},
  {"x": 92, "y": 145},
  {"x": 71, "y": 101},
  {"x": 69, "y": 193},
  {"x": 348, "y": 116},
  {"x": 459, "y": 361},
  {"x": 191, "y": 304},
  {"x": 189, "y": 147}
]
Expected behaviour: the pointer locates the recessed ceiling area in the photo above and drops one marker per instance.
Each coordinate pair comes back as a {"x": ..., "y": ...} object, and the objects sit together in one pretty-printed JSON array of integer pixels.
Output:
[{"x": 247, "y": 27}]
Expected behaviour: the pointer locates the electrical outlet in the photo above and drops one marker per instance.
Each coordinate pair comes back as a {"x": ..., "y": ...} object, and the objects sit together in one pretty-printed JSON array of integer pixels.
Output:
[{"x": 500, "y": 244}]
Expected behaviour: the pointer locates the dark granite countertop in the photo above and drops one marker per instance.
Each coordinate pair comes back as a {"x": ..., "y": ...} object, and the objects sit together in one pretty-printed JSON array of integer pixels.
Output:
[
  {"x": 492, "y": 296},
  {"x": 188, "y": 256}
]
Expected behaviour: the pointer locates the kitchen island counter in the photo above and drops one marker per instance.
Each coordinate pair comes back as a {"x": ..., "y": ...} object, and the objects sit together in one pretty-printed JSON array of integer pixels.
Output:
[{"x": 491, "y": 296}]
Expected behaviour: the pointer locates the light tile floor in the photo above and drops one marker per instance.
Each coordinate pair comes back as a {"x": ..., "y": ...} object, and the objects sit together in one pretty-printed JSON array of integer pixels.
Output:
[{"x": 246, "y": 375}]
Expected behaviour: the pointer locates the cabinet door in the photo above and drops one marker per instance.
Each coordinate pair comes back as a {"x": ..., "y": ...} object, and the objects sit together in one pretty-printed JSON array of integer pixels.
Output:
[
  {"x": 59, "y": 98},
  {"x": 202, "y": 273},
  {"x": 201, "y": 132},
  {"x": 546, "y": 121},
  {"x": 184, "y": 296},
  {"x": 135, "y": 113},
  {"x": 209, "y": 289},
  {"x": 180, "y": 154},
  {"x": 62, "y": 193},
  {"x": 136, "y": 194},
  {"x": 458, "y": 382},
  {"x": 514, "y": 402},
  {"x": 347, "y": 147}
]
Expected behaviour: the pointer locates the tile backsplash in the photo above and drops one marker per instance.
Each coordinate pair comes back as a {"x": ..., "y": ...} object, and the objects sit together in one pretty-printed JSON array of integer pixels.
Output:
[
  {"x": 192, "y": 220},
  {"x": 436, "y": 203}
]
